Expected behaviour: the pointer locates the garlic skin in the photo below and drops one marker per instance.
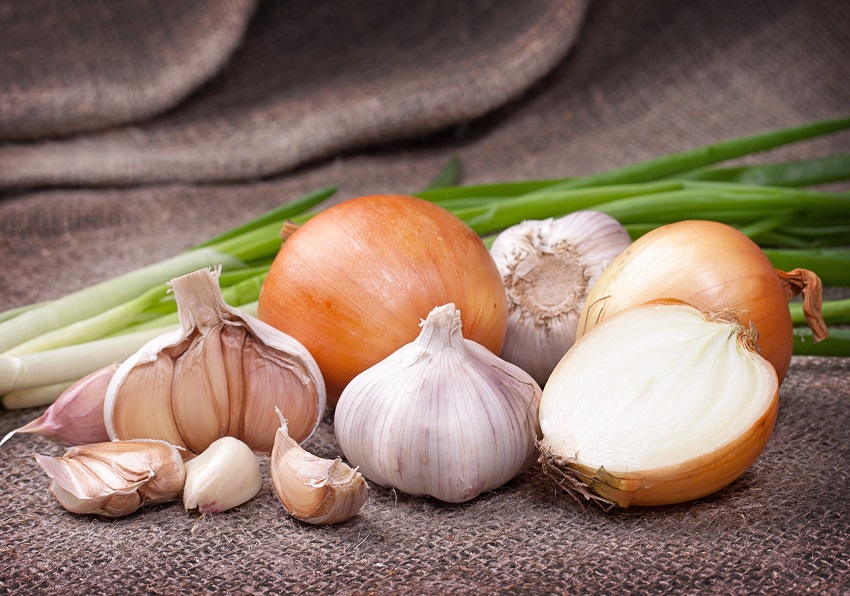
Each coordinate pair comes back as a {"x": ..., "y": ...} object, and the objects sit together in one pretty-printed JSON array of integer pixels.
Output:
[
  {"x": 76, "y": 417},
  {"x": 225, "y": 475},
  {"x": 115, "y": 478},
  {"x": 441, "y": 416},
  {"x": 312, "y": 489},
  {"x": 660, "y": 404},
  {"x": 548, "y": 268},
  {"x": 221, "y": 374}
]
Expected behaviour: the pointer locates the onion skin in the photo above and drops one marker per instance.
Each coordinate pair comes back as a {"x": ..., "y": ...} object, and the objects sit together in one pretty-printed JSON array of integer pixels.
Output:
[
  {"x": 353, "y": 282},
  {"x": 711, "y": 266}
]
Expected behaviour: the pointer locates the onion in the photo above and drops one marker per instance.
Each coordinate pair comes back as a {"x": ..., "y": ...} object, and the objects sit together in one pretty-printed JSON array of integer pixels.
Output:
[
  {"x": 353, "y": 283},
  {"x": 661, "y": 404},
  {"x": 713, "y": 267}
]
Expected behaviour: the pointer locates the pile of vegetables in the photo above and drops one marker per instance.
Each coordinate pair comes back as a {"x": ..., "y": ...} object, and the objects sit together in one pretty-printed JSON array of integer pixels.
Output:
[{"x": 689, "y": 260}]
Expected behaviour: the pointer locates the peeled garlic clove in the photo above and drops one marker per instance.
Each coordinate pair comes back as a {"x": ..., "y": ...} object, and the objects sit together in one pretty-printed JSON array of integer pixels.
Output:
[
  {"x": 225, "y": 475},
  {"x": 113, "y": 479},
  {"x": 312, "y": 489},
  {"x": 442, "y": 416},
  {"x": 659, "y": 404},
  {"x": 76, "y": 417},
  {"x": 221, "y": 374},
  {"x": 548, "y": 268}
]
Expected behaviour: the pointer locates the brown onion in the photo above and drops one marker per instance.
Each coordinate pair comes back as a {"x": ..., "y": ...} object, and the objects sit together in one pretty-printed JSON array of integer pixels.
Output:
[
  {"x": 714, "y": 267},
  {"x": 353, "y": 283}
]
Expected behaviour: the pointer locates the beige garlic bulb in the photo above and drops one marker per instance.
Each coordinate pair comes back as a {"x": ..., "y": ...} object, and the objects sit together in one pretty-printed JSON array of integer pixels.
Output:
[
  {"x": 224, "y": 476},
  {"x": 441, "y": 416},
  {"x": 313, "y": 489},
  {"x": 115, "y": 478},
  {"x": 548, "y": 268},
  {"x": 222, "y": 373}
]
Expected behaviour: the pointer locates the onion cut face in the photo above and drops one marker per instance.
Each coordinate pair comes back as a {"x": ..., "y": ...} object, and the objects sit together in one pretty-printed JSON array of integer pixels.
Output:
[
  {"x": 713, "y": 267},
  {"x": 660, "y": 404},
  {"x": 353, "y": 283}
]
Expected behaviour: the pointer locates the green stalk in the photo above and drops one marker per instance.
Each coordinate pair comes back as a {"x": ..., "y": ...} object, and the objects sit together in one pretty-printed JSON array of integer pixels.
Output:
[
  {"x": 809, "y": 172},
  {"x": 276, "y": 215},
  {"x": 34, "y": 397},
  {"x": 92, "y": 328},
  {"x": 448, "y": 176},
  {"x": 70, "y": 363},
  {"x": 835, "y": 312},
  {"x": 499, "y": 215},
  {"x": 831, "y": 265},
  {"x": 837, "y": 344},
  {"x": 685, "y": 161},
  {"x": 95, "y": 299}
]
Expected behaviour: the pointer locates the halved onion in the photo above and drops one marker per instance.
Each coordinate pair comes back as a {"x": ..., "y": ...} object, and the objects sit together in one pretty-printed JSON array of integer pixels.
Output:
[{"x": 659, "y": 404}]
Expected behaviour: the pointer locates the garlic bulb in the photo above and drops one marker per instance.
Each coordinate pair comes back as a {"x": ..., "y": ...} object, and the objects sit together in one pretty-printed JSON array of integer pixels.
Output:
[
  {"x": 441, "y": 416},
  {"x": 115, "y": 478},
  {"x": 76, "y": 417},
  {"x": 224, "y": 476},
  {"x": 221, "y": 374},
  {"x": 313, "y": 489},
  {"x": 548, "y": 268},
  {"x": 659, "y": 404}
]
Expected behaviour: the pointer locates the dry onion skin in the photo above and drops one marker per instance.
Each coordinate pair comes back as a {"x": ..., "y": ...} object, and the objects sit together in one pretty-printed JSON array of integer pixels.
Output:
[
  {"x": 353, "y": 282},
  {"x": 713, "y": 267},
  {"x": 660, "y": 404}
]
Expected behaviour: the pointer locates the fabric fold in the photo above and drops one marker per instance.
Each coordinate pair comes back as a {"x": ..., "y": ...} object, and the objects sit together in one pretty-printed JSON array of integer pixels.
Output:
[
  {"x": 77, "y": 65},
  {"x": 315, "y": 79}
]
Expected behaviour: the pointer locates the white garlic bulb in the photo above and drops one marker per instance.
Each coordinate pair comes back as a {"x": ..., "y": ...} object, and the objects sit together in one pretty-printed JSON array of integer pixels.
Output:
[
  {"x": 441, "y": 416},
  {"x": 548, "y": 268},
  {"x": 222, "y": 373},
  {"x": 115, "y": 478},
  {"x": 224, "y": 476}
]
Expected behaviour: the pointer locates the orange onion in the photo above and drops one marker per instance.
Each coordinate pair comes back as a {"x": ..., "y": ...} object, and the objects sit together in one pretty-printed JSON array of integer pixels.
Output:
[
  {"x": 353, "y": 282},
  {"x": 713, "y": 267}
]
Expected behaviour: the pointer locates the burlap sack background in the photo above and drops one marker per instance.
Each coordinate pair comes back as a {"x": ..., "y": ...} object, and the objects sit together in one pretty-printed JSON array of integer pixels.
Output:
[{"x": 134, "y": 131}]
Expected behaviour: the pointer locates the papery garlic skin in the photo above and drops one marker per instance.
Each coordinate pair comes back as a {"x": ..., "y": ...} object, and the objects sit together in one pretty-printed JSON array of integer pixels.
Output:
[
  {"x": 226, "y": 475},
  {"x": 115, "y": 478},
  {"x": 548, "y": 268},
  {"x": 76, "y": 417},
  {"x": 312, "y": 489},
  {"x": 441, "y": 416},
  {"x": 222, "y": 373},
  {"x": 660, "y": 404}
]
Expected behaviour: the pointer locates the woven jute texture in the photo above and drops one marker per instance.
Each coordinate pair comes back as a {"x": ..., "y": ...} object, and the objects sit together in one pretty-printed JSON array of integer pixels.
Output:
[{"x": 135, "y": 130}]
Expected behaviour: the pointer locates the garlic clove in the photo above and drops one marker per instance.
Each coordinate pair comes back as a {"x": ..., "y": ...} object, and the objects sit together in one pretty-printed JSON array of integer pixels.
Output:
[
  {"x": 548, "y": 268},
  {"x": 312, "y": 489},
  {"x": 225, "y": 475},
  {"x": 141, "y": 405},
  {"x": 442, "y": 416},
  {"x": 200, "y": 396},
  {"x": 113, "y": 479},
  {"x": 76, "y": 417},
  {"x": 221, "y": 374},
  {"x": 659, "y": 404}
]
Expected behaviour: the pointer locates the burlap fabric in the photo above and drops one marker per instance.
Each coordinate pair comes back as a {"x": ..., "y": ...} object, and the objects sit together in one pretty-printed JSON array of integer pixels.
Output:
[{"x": 133, "y": 130}]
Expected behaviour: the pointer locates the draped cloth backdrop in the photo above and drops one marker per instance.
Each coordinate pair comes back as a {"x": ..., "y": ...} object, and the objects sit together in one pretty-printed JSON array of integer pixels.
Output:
[{"x": 132, "y": 130}]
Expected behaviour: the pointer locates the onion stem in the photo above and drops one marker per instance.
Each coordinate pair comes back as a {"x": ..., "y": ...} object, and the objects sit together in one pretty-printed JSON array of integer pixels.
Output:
[{"x": 835, "y": 312}]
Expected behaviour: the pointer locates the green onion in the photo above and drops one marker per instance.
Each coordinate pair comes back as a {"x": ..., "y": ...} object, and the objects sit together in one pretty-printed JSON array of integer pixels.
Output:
[{"x": 837, "y": 344}]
